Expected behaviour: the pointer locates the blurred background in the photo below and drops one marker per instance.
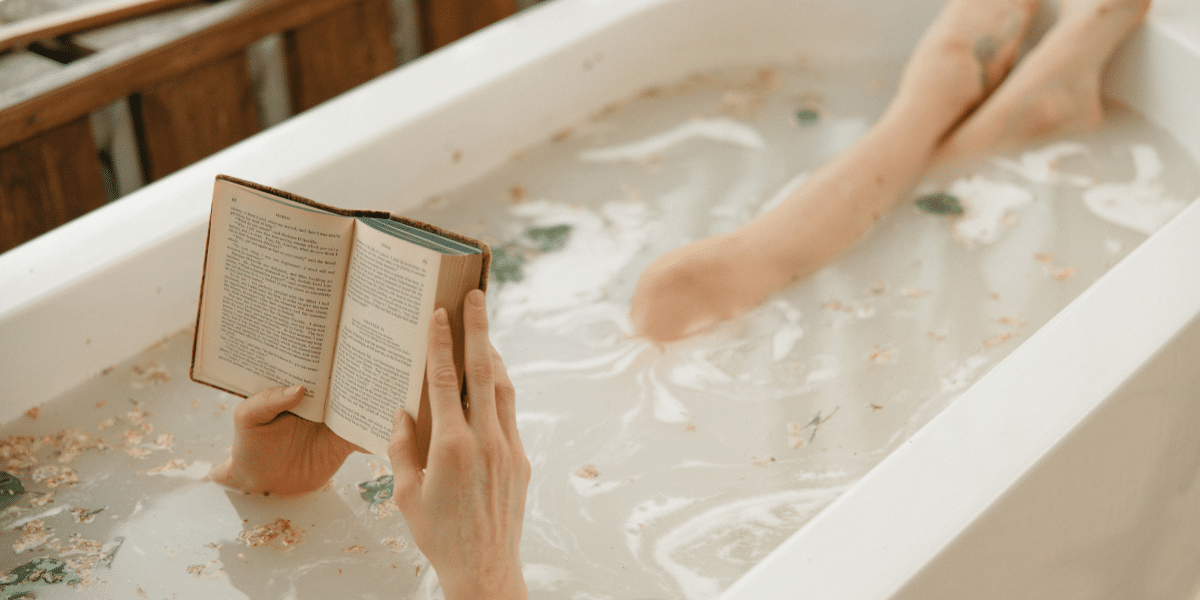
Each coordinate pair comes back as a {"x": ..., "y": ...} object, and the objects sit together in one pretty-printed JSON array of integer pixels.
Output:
[{"x": 101, "y": 97}]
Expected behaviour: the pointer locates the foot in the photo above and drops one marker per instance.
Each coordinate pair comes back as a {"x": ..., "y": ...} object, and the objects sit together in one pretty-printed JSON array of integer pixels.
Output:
[
  {"x": 1056, "y": 88},
  {"x": 692, "y": 288}
]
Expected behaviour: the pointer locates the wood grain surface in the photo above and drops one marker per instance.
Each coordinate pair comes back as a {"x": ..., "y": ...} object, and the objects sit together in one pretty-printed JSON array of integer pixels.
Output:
[
  {"x": 48, "y": 180},
  {"x": 188, "y": 117},
  {"x": 337, "y": 52}
]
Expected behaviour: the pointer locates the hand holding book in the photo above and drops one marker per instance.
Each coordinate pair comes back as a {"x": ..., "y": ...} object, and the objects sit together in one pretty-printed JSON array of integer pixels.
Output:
[
  {"x": 278, "y": 453},
  {"x": 465, "y": 509},
  {"x": 365, "y": 310}
]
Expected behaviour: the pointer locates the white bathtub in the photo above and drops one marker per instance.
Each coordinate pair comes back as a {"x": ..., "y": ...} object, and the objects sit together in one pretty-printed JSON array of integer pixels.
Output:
[{"x": 1069, "y": 471}]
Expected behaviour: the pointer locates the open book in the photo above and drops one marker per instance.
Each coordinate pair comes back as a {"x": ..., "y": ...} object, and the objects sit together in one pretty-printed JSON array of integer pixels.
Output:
[{"x": 296, "y": 292}]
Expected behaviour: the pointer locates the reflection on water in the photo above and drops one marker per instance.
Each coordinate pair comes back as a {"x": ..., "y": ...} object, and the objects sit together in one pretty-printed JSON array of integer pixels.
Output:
[{"x": 659, "y": 472}]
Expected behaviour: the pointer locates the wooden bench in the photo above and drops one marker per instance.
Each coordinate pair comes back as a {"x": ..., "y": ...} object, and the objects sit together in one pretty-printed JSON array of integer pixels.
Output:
[{"x": 184, "y": 81}]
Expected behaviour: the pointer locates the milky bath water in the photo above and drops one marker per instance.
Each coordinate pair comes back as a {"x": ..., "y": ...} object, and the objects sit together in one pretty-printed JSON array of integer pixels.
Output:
[{"x": 658, "y": 472}]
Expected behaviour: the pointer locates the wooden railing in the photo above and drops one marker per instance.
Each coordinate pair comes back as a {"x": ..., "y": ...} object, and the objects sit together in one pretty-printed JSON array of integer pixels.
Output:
[{"x": 187, "y": 84}]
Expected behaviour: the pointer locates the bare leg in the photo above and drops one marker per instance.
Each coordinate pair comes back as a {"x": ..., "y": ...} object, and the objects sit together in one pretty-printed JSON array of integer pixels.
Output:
[
  {"x": 1056, "y": 88},
  {"x": 967, "y": 50}
]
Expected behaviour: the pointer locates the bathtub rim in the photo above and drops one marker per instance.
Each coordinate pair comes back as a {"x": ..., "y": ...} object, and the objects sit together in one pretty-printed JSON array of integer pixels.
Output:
[{"x": 54, "y": 275}]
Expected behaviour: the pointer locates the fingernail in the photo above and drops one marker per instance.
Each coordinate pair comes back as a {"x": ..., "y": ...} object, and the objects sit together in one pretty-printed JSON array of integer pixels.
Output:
[
  {"x": 475, "y": 297},
  {"x": 439, "y": 317},
  {"x": 292, "y": 391}
]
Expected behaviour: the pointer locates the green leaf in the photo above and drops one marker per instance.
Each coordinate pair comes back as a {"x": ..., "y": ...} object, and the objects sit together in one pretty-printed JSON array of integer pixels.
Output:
[
  {"x": 507, "y": 263},
  {"x": 549, "y": 239},
  {"x": 112, "y": 554},
  {"x": 940, "y": 203},
  {"x": 11, "y": 489},
  {"x": 37, "y": 573},
  {"x": 377, "y": 491},
  {"x": 807, "y": 116}
]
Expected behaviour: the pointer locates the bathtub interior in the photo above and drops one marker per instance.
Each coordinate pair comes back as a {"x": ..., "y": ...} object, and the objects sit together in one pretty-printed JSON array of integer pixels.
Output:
[{"x": 684, "y": 496}]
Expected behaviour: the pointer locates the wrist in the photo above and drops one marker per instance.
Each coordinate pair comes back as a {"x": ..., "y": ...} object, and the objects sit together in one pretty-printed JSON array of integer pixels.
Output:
[
  {"x": 505, "y": 583},
  {"x": 228, "y": 475}
]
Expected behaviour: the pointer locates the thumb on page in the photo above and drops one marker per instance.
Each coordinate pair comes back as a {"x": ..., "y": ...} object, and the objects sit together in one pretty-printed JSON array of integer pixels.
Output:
[{"x": 263, "y": 407}]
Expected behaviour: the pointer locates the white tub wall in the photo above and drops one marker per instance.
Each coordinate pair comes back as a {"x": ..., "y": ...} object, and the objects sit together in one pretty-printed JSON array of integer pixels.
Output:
[
  {"x": 1113, "y": 511},
  {"x": 1156, "y": 72},
  {"x": 121, "y": 278}
]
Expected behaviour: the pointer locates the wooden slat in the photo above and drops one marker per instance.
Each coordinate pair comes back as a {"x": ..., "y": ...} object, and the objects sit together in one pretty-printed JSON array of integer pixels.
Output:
[
  {"x": 443, "y": 21},
  {"x": 189, "y": 117},
  {"x": 104, "y": 77},
  {"x": 338, "y": 51},
  {"x": 46, "y": 181},
  {"x": 78, "y": 18}
]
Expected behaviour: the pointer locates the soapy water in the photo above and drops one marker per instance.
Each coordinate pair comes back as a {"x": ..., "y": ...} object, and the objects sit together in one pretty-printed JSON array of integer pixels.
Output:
[{"x": 658, "y": 472}]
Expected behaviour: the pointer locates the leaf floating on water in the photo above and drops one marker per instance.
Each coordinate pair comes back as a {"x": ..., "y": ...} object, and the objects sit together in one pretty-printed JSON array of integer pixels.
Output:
[
  {"x": 507, "y": 263},
  {"x": 34, "y": 574},
  {"x": 940, "y": 203},
  {"x": 112, "y": 554},
  {"x": 549, "y": 239},
  {"x": 378, "y": 490},
  {"x": 807, "y": 116},
  {"x": 11, "y": 489}
]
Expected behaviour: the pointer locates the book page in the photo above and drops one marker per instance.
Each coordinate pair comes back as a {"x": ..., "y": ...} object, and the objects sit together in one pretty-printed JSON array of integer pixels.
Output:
[
  {"x": 271, "y": 297},
  {"x": 382, "y": 339}
]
